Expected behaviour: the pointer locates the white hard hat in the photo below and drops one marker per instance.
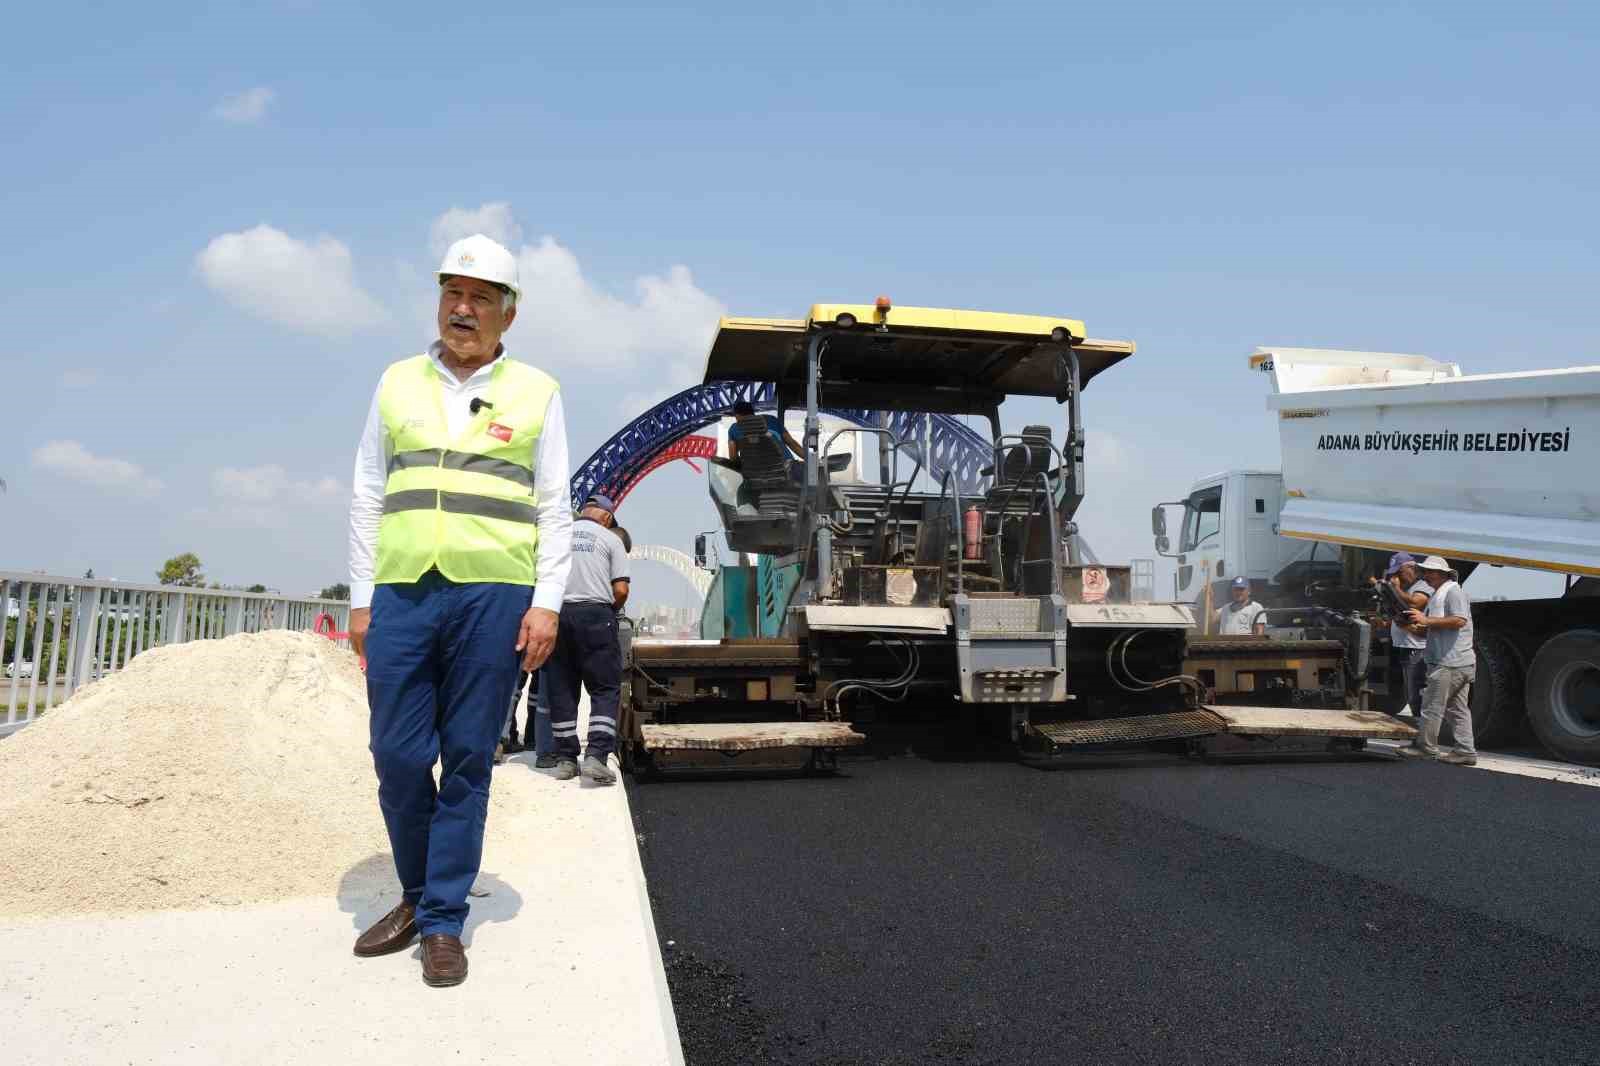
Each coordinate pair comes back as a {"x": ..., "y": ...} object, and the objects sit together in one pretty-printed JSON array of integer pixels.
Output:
[
  {"x": 483, "y": 258},
  {"x": 1434, "y": 562}
]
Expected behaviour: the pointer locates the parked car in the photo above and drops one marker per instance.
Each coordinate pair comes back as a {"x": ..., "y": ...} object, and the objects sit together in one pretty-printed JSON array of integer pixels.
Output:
[{"x": 24, "y": 671}]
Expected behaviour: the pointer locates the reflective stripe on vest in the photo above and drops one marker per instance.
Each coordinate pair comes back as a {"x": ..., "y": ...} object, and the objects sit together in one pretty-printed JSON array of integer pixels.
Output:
[{"x": 465, "y": 506}]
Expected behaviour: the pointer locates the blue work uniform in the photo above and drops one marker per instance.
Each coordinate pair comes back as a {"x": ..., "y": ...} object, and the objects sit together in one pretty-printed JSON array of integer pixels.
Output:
[{"x": 587, "y": 651}]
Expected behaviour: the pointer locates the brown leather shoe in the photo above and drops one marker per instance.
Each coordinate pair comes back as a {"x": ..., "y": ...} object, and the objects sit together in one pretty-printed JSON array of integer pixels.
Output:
[
  {"x": 390, "y": 933},
  {"x": 444, "y": 960}
]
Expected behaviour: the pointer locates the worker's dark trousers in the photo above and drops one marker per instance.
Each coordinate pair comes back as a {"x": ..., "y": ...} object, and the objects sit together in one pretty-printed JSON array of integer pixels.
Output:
[
  {"x": 586, "y": 652},
  {"x": 1411, "y": 672},
  {"x": 510, "y": 731},
  {"x": 536, "y": 718},
  {"x": 441, "y": 660}
]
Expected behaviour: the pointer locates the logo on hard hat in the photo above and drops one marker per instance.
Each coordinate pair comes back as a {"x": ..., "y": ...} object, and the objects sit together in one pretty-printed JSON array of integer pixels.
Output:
[{"x": 466, "y": 259}]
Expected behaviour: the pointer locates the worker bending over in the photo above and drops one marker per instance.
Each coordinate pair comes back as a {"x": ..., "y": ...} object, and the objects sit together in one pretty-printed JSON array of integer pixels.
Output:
[
  {"x": 587, "y": 650},
  {"x": 459, "y": 533}
]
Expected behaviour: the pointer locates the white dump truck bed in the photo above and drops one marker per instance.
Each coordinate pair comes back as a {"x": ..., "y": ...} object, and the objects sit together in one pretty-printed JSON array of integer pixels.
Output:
[{"x": 1382, "y": 450}]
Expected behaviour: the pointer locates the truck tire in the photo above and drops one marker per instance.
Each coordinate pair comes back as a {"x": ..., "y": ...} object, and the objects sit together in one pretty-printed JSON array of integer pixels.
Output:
[
  {"x": 1496, "y": 691},
  {"x": 1564, "y": 695}
]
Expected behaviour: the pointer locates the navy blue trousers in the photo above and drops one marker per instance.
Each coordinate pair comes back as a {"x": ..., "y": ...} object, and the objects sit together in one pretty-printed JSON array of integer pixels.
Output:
[
  {"x": 441, "y": 661},
  {"x": 587, "y": 652}
]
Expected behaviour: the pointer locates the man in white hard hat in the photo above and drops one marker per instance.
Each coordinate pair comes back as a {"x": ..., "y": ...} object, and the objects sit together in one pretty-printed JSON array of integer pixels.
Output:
[
  {"x": 1451, "y": 665},
  {"x": 460, "y": 532}
]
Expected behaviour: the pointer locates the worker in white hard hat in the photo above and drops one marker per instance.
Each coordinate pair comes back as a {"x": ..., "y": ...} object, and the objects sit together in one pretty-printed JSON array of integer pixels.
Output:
[
  {"x": 460, "y": 534},
  {"x": 1451, "y": 665}
]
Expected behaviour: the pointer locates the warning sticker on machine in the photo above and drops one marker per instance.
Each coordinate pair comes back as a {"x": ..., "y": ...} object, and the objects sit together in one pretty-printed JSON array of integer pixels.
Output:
[
  {"x": 1095, "y": 584},
  {"x": 1522, "y": 440}
]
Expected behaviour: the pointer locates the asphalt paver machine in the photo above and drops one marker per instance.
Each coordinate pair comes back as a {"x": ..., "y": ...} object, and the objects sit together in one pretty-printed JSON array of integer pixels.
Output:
[{"x": 916, "y": 595}]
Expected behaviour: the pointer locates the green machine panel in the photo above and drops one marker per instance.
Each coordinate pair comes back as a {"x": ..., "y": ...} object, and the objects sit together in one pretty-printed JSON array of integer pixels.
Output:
[
  {"x": 731, "y": 610},
  {"x": 775, "y": 586}
]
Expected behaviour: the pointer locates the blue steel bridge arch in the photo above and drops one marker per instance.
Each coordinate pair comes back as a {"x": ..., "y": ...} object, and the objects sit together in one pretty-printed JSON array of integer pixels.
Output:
[{"x": 955, "y": 447}]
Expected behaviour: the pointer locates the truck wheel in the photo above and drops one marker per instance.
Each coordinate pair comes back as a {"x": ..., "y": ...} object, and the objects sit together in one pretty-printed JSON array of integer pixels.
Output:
[
  {"x": 1564, "y": 695},
  {"x": 1496, "y": 691}
]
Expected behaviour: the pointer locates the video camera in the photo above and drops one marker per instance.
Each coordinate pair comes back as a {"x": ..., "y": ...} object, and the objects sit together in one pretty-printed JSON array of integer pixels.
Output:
[{"x": 1393, "y": 605}]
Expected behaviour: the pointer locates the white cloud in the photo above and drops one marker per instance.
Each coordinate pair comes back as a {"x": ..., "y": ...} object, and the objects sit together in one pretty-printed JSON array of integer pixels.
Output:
[
  {"x": 308, "y": 286},
  {"x": 246, "y": 107},
  {"x": 72, "y": 460},
  {"x": 269, "y": 496},
  {"x": 655, "y": 336},
  {"x": 271, "y": 484},
  {"x": 492, "y": 220},
  {"x": 658, "y": 336},
  {"x": 80, "y": 378}
]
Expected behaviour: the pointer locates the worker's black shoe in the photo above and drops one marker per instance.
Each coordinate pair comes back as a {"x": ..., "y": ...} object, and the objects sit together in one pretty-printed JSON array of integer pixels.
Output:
[
  {"x": 596, "y": 770},
  {"x": 545, "y": 761},
  {"x": 390, "y": 933},
  {"x": 444, "y": 960},
  {"x": 566, "y": 768}
]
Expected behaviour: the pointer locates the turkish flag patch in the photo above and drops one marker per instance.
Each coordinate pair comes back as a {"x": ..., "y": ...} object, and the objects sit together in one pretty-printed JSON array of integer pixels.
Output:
[{"x": 502, "y": 432}]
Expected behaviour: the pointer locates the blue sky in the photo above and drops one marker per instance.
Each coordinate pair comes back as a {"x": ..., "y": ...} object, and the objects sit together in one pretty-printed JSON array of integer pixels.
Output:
[{"x": 220, "y": 224}]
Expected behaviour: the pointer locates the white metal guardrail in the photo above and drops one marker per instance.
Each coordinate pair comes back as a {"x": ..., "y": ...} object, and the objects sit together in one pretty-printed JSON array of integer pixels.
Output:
[{"x": 62, "y": 632}]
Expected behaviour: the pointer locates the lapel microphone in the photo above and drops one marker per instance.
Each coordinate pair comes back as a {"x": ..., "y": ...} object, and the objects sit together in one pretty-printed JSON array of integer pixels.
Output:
[{"x": 479, "y": 403}]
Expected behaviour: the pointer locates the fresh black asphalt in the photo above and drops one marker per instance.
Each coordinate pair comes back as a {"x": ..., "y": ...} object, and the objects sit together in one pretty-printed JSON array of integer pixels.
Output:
[{"x": 912, "y": 910}]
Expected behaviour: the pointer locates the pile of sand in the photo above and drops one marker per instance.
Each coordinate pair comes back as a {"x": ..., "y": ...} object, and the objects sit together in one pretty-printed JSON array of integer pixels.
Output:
[{"x": 212, "y": 773}]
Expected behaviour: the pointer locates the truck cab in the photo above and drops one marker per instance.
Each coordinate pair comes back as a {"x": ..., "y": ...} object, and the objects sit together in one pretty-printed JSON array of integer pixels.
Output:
[{"x": 1228, "y": 527}]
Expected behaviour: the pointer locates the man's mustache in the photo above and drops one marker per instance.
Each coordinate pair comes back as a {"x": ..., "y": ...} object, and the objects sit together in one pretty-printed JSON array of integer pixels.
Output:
[{"x": 464, "y": 320}]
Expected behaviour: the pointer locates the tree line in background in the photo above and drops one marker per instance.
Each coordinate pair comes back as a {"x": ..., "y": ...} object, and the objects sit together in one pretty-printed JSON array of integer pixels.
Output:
[{"x": 187, "y": 570}]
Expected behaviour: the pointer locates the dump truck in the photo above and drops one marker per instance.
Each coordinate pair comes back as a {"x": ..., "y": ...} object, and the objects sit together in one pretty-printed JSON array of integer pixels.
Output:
[
  {"x": 1385, "y": 452},
  {"x": 918, "y": 595}
]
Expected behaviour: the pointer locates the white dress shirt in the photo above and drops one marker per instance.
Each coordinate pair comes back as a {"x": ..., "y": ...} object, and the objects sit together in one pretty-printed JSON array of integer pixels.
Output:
[{"x": 550, "y": 474}]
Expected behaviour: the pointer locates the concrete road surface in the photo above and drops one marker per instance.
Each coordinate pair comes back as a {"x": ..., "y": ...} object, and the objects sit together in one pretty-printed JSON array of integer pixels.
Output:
[
  {"x": 563, "y": 965},
  {"x": 915, "y": 911}
]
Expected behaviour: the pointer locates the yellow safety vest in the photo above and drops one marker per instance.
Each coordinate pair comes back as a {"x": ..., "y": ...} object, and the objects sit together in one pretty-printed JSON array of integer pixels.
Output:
[{"x": 465, "y": 506}]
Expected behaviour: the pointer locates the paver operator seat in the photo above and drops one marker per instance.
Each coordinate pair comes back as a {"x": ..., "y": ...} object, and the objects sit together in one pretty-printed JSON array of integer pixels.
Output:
[{"x": 758, "y": 498}]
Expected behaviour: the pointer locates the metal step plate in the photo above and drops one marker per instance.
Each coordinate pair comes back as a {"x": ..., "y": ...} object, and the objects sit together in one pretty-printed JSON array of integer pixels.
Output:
[
  {"x": 1132, "y": 730},
  {"x": 1010, "y": 616},
  {"x": 1309, "y": 721},
  {"x": 1259, "y": 647},
  {"x": 749, "y": 736}
]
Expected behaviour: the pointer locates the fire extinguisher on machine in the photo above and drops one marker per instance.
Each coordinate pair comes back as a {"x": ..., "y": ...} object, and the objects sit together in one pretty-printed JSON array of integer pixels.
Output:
[{"x": 972, "y": 533}]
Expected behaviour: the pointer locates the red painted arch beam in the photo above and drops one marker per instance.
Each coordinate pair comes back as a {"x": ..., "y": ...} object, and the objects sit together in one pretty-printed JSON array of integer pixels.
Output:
[{"x": 693, "y": 446}]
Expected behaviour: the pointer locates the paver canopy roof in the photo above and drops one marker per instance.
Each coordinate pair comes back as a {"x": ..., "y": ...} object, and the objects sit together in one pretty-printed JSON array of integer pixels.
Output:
[{"x": 910, "y": 358}]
